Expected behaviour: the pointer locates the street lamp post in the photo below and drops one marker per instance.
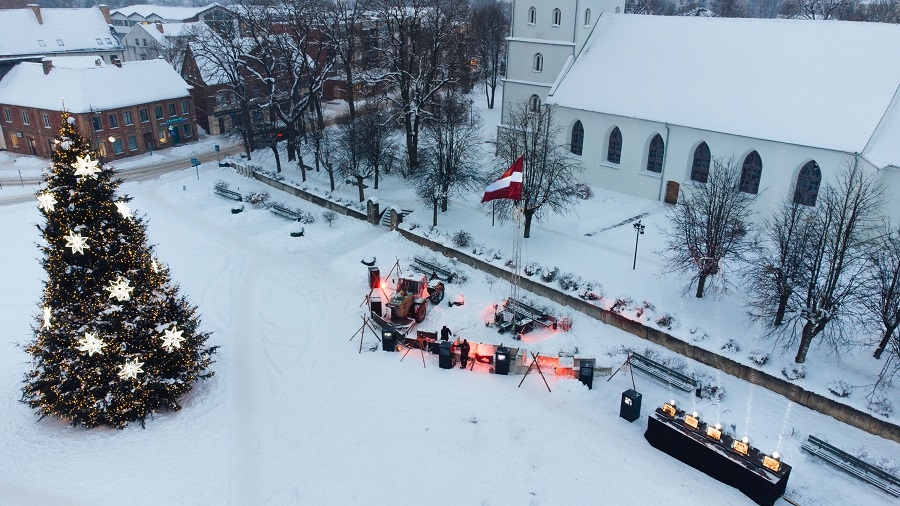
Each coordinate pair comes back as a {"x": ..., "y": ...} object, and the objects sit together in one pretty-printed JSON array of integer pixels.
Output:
[
  {"x": 638, "y": 232},
  {"x": 471, "y": 112}
]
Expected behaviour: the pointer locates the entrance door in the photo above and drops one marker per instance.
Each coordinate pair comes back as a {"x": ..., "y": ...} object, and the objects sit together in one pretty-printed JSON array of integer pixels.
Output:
[
  {"x": 175, "y": 133},
  {"x": 221, "y": 126},
  {"x": 31, "y": 145},
  {"x": 148, "y": 141}
]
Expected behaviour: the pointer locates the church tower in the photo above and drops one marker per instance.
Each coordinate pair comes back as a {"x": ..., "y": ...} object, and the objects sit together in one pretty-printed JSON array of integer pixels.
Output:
[{"x": 545, "y": 35}]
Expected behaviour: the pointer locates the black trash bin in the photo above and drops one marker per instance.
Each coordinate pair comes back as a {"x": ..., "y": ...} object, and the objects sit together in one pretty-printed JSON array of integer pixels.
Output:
[
  {"x": 631, "y": 405},
  {"x": 375, "y": 306},
  {"x": 388, "y": 339},
  {"x": 586, "y": 372},
  {"x": 374, "y": 277},
  {"x": 501, "y": 360},
  {"x": 445, "y": 355}
]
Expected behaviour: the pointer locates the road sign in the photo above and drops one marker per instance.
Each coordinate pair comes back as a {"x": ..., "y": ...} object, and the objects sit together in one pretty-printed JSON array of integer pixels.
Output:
[
  {"x": 195, "y": 162},
  {"x": 217, "y": 148}
]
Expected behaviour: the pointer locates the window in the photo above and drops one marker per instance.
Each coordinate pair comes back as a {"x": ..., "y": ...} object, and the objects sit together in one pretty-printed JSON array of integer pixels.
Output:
[
  {"x": 751, "y": 173},
  {"x": 614, "y": 151},
  {"x": 99, "y": 41},
  {"x": 171, "y": 109},
  {"x": 42, "y": 43},
  {"x": 95, "y": 120},
  {"x": 184, "y": 107},
  {"x": 186, "y": 131},
  {"x": 25, "y": 120},
  {"x": 808, "y": 180},
  {"x": 144, "y": 116},
  {"x": 108, "y": 40},
  {"x": 8, "y": 114},
  {"x": 14, "y": 139},
  {"x": 577, "y": 143},
  {"x": 655, "y": 154},
  {"x": 117, "y": 147},
  {"x": 557, "y": 17},
  {"x": 534, "y": 103},
  {"x": 127, "y": 116},
  {"x": 532, "y": 16},
  {"x": 137, "y": 41},
  {"x": 59, "y": 42},
  {"x": 159, "y": 113},
  {"x": 45, "y": 118},
  {"x": 587, "y": 17},
  {"x": 700, "y": 166},
  {"x": 161, "y": 134},
  {"x": 102, "y": 149},
  {"x": 538, "y": 62},
  {"x": 132, "y": 143},
  {"x": 145, "y": 42},
  {"x": 113, "y": 120}
]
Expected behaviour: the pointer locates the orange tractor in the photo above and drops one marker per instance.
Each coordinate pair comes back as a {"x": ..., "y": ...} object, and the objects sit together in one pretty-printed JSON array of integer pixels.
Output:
[{"x": 410, "y": 299}]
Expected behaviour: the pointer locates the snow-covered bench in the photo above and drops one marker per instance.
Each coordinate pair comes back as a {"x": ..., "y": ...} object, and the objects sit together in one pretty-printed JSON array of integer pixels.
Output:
[
  {"x": 662, "y": 372},
  {"x": 228, "y": 194},
  {"x": 852, "y": 465},
  {"x": 285, "y": 212}
]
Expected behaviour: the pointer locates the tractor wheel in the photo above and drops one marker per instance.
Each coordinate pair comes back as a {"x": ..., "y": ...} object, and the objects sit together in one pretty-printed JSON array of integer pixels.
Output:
[
  {"x": 437, "y": 294},
  {"x": 419, "y": 311}
]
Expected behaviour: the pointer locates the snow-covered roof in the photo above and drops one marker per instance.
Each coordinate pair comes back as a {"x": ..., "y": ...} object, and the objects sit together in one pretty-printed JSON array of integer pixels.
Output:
[
  {"x": 84, "y": 86},
  {"x": 78, "y": 29},
  {"x": 170, "y": 30},
  {"x": 824, "y": 84},
  {"x": 168, "y": 13}
]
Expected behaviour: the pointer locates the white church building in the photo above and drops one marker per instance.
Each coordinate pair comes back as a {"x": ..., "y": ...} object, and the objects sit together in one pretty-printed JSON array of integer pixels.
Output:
[{"x": 647, "y": 101}]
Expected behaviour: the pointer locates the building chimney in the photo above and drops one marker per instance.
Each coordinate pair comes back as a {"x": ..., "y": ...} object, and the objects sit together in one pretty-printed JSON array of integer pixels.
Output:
[
  {"x": 104, "y": 9},
  {"x": 159, "y": 26},
  {"x": 37, "y": 12},
  {"x": 47, "y": 64}
]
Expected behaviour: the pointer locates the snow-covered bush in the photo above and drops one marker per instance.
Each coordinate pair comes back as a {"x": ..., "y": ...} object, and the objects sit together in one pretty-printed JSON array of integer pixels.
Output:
[
  {"x": 880, "y": 405},
  {"x": 621, "y": 304},
  {"x": 698, "y": 335},
  {"x": 794, "y": 372},
  {"x": 564, "y": 323},
  {"x": 582, "y": 191},
  {"x": 666, "y": 321},
  {"x": 414, "y": 225},
  {"x": 307, "y": 218},
  {"x": 550, "y": 275},
  {"x": 462, "y": 239},
  {"x": 329, "y": 217},
  {"x": 709, "y": 387},
  {"x": 731, "y": 345},
  {"x": 220, "y": 185},
  {"x": 759, "y": 357},
  {"x": 840, "y": 388},
  {"x": 591, "y": 292},
  {"x": 257, "y": 199},
  {"x": 569, "y": 282},
  {"x": 531, "y": 268}
]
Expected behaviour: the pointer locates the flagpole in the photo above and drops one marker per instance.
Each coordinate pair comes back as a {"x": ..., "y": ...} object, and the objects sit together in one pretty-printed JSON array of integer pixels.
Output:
[{"x": 492, "y": 212}]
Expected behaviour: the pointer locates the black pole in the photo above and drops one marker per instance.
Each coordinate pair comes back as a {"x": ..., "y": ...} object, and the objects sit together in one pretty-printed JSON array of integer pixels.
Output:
[{"x": 637, "y": 236}]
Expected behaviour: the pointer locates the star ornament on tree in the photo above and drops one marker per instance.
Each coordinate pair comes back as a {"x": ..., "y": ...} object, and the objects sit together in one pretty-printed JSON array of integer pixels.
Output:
[
  {"x": 120, "y": 289},
  {"x": 91, "y": 344},
  {"x": 47, "y": 201},
  {"x": 47, "y": 314},
  {"x": 86, "y": 167},
  {"x": 76, "y": 242},
  {"x": 123, "y": 209},
  {"x": 130, "y": 370},
  {"x": 172, "y": 339}
]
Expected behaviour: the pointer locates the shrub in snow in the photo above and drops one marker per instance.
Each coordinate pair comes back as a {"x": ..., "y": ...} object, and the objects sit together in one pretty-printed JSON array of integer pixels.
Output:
[
  {"x": 257, "y": 199},
  {"x": 497, "y": 255},
  {"x": 329, "y": 217},
  {"x": 591, "y": 293},
  {"x": 666, "y": 321},
  {"x": 648, "y": 306},
  {"x": 509, "y": 263},
  {"x": 880, "y": 405},
  {"x": 462, "y": 239},
  {"x": 709, "y": 387},
  {"x": 840, "y": 388},
  {"x": 698, "y": 335},
  {"x": 564, "y": 323},
  {"x": 550, "y": 275},
  {"x": 569, "y": 282},
  {"x": 531, "y": 268},
  {"x": 307, "y": 218},
  {"x": 221, "y": 185},
  {"x": 794, "y": 372},
  {"x": 731, "y": 345},
  {"x": 621, "y": 304},
  {"x": 759, "y": 358},
  {"x": 414, "y": 225},
  {"x": 582, "y": 191}
]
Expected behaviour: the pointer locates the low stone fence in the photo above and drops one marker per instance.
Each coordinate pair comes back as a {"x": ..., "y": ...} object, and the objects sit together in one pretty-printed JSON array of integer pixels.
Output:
[{"x": 315, "y": 199}]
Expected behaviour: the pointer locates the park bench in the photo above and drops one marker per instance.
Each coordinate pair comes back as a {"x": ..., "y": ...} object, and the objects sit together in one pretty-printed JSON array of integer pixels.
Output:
[
  {"x": 852, "y": 465},
  {"x": 528, "y": 312},
  {"x": 662, "y": 372},
  {"x": 285, "y": 212},
  {"x": 522, "y": 318},
  {"x": 228, "y": 194},
  {"x": 434, "y": 270}
]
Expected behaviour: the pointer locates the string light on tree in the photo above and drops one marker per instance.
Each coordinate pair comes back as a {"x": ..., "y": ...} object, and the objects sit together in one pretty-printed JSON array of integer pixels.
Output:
[
  {"x": 47, "y": 201},
  {"x": 120, "y": 289},
  {"x": 131, "y": 369},
  {"x": 172, "y": 339},
  {"x": 76, "y": 242},
  {"x": 91, "y": 344}
]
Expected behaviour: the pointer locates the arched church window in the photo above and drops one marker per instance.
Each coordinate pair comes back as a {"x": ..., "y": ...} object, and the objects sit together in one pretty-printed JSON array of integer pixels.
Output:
[
  {"x": 587, "y": 17},
  {"x": 655, "y": 154},
  {"x": 534, "y": 103},
  {"x": 700, "y": 166},
  {"x": 614, "y": 149},
  {"x": 532, "y": 16},
  {"x": 808, "y": 181},
  {"x": 557, "y": 17},
  {"x": 538, "y": 65},
  {"x": 577, "y": 142},
  {"x": 751, "y": 172}
]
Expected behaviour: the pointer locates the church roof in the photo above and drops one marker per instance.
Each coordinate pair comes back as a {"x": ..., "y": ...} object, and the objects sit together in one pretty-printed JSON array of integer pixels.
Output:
[{"x": 824, "y": 84}]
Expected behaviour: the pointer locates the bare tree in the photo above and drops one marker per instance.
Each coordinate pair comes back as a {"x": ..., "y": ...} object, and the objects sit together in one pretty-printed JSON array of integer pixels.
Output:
[
  {"x": 377, "y": 144},
  {"x": 775, "y": 269},
  {"x": 729, "y": 8},
  {"x": 550, "y": 175},
  {"x": 451, "y": 166},
  {"x": 883, "y": 294},
  {"x": 709, "y": 226},
  {"x": 828, "y": 303},
  {"x": 882, "y": 11},
  {"x": 815, "y": 9},
  {"x": 490, "y": 23},
  {"x": 654, "y": 7},
  {"x": 341, "y": 22}
]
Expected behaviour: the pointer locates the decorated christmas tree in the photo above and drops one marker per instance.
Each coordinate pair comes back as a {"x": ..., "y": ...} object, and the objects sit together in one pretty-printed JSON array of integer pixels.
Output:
[{"x": 114, "y": 342}]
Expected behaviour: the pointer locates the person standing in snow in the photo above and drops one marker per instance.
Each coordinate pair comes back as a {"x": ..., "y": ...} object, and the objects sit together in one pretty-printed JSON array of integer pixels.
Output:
[
  {"x": 445, "y": 334},
  {"x": 463, "y": 354}
]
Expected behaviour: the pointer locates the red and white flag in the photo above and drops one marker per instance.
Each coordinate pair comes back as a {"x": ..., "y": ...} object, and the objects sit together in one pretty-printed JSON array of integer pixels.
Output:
[{"x": 509, "y": 186}]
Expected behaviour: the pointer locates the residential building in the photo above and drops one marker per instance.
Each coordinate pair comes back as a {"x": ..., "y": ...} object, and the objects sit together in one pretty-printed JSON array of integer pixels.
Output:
[
  {"x": 124, "y": 109},
  {"x": 37, "y": 32},
  {"x": 126, "y": 18},
  {"x": 147, "y": 41}
]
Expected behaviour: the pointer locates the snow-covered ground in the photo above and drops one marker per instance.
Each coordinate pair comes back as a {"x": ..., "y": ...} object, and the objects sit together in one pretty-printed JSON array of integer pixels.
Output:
[{"x": 296, "y": 415}]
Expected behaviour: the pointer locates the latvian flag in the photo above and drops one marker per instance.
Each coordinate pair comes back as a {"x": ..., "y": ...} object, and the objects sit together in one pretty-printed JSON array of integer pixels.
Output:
[{"x": 509, "y": 186}]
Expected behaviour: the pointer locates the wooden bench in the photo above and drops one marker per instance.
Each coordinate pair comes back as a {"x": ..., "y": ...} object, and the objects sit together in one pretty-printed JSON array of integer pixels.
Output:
[
  {"x": 436, "y": 271},
  {"x": 228, "y": 194},
  {"x": 852, "y": 465},
  {"x": 285, "y": 212},
  {"x": 662, "y": 372}
]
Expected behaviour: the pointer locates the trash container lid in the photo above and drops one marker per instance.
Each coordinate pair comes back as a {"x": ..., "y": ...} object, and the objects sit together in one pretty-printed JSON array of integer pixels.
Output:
[{"x": 502, "y": 350}]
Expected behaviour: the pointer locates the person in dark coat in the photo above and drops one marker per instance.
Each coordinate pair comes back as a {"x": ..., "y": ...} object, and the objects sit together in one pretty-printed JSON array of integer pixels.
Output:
[
  {"x": 445, "y": 334},
  {"x": 463, "y": 354}
]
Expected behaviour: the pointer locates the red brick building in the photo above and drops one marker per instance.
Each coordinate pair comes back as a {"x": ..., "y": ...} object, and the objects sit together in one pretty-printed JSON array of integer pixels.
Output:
[{"x": 124, "y": 109}]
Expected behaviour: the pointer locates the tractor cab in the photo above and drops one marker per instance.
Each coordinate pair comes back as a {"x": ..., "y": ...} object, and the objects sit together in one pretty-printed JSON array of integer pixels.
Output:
[{"x": 411, "y": 297}]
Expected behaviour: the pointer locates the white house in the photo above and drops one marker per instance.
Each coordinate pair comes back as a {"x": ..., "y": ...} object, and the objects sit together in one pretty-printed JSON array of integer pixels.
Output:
[
  {"x": 647, "y": 101},
  {"x": 147, "y": 41},
  {"x": 36, "y": 32}
]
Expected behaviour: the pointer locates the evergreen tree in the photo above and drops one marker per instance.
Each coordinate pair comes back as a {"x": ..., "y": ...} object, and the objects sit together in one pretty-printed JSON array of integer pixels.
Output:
[{"x": 115, "y": 341}]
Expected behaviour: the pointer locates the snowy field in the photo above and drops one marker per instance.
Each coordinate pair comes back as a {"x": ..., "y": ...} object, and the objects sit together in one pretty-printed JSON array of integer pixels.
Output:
[{"x": 295, "y": 415}]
